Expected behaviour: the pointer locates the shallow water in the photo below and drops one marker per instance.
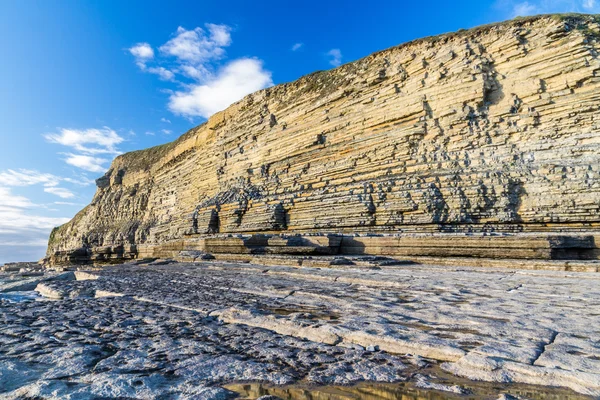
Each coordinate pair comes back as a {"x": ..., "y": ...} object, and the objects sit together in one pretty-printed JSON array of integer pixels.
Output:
[
  {"x": 428, "y": 383},
  {"x": 404, "y": 391},
  {"x": 19, "y": 297}
]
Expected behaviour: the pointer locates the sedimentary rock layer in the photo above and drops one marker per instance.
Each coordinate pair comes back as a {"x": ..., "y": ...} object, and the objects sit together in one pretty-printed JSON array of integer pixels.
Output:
[{"x": 491, "y": 129}]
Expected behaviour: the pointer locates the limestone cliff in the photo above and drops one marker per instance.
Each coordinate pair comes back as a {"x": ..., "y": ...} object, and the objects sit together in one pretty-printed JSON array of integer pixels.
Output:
[{"x": 491, "y": 129}]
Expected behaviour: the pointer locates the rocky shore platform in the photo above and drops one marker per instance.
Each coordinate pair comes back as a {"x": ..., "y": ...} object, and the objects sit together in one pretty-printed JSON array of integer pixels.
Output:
[{"x": 368, "y": 329}]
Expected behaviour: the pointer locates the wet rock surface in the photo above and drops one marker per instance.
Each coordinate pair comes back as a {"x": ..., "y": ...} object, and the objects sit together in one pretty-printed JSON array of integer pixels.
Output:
[{"x": 177, "y": 330}]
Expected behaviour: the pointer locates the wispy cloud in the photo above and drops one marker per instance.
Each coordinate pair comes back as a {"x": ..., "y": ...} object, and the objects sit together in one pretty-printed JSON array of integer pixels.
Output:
[
  {"x": 207, "y": 83},
  {"x": 26, "y": 177},
  {"x": 515, "y": 8},
  {"x": 60, "y": 192},
  {"x": 297, "y": 46},
  {"x": 87, "y": 163},
  {"x": 162, "y": 72},
  {"x": 88, "y": 144},
  {"x": 335, "y": 57},
  {"x": 166, "y": 121},
  {"x": 166, "y": 131},
  {"x": 12, "y": 210},
  {"x": 68, "y": 203},
  {"x": 80, "y": 180},
  {"x": 144, "y": 53},
  {"x": 20, "y": 229},
  {"x": 10, "y": 200},
  {"x": 524, "y": 8},
  {"x": 589, "y": 4},
  {"x": 198, "y": 46},
  {"x": 89, "y": 141}
]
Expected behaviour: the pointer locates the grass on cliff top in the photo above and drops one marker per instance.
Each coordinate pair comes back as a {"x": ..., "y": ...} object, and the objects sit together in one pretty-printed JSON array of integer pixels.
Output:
[{"x": 144, "y": 159}]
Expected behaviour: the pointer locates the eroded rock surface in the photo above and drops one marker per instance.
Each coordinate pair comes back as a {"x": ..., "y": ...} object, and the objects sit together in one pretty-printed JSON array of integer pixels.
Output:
[
  {"x": 182, "y": 330},
  {"x": 491, "y": 129}
]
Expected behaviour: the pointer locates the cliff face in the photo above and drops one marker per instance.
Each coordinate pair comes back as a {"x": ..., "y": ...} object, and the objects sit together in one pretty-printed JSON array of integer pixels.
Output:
[{"x": 495, "y": 128}]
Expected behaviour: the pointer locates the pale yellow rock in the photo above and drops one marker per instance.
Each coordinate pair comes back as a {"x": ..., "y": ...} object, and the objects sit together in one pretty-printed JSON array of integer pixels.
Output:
[{"x": 494, "y": 128}]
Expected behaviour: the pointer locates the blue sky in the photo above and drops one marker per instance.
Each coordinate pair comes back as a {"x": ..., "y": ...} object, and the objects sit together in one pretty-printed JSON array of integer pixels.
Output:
[{"x": 83, "y": 81}]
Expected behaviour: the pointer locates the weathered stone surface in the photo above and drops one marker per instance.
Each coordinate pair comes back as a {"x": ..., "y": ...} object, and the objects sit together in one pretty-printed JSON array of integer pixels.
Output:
[
  {"x": 492, "y": 129},
  {"x": 181, "y": 330}
]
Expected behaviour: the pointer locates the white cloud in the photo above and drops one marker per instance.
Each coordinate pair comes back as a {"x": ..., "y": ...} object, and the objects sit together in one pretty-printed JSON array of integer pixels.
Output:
[
  {"x": 196, "y": 46},
  {"x": 197, "y": 55},
  {"x": 142, "y": 50},
  {"x": 12, "y": 208},
  {"x": 68, "y": 203},
  {"x": 149, "y": 133},
  {"x": 88, "y": 143},
  {"x": 9, "y": 200},
  {"x": 515, "y": 8},
  {"x": 297, "y": 46},
  {"x": 16, "y": 220},
  {"x": 166, "y": 131},
  {"x": 25, "y": 177},
  {"x": 196, "y": 72},
  {"x": 80, "y": 180},
  {"x": 143, "y": 53},
  {"x": 60, "y": 192},
  {"x": 102, "y": 140},
  {"x": 86, "y": 162},
  {"x": 162, "y": 72},
  {"x": 525, "y": 8},
  {"x": 23, "y": 236},
  {"x": 220, "y": 34},
  {"x": 234, "y": 81},
  {"x": 335, "y": 57}
]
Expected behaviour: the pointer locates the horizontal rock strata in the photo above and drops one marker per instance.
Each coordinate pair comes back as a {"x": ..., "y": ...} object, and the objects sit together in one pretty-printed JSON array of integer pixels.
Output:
[{"x": 489, "y": 130}]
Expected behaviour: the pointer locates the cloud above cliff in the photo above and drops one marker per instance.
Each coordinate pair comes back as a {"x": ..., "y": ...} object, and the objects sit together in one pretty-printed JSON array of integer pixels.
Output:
[
  {"x": 198, "y": 46},
  {"x": 335, "y": 57},
  {"x": 234, "y": 81},
  {"x": 515, "y": 8},
  {"x": 87, "y": 163},
  {"x": 196, "y": 61},
  {"x": 26, "y": 177},
  {"x": 60, "y": 192},
  {"x": 86, "y": 145},
  {"x": 88, "y": 141}
]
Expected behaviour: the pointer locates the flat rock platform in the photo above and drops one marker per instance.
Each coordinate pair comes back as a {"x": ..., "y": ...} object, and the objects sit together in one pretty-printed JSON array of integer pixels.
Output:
[{"x": 166, "y": 329}]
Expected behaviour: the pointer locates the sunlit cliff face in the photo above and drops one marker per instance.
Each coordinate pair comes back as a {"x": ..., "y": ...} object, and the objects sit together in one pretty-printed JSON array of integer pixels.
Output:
[{"x": 491, "y": 129}]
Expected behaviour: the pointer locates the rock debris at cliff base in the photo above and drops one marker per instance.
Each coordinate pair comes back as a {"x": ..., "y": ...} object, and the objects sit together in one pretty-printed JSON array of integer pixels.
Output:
[{"x": 182, "y": 330}]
